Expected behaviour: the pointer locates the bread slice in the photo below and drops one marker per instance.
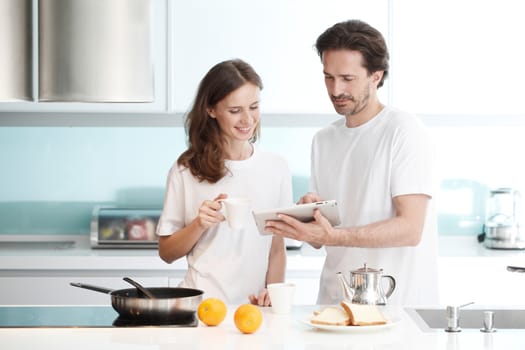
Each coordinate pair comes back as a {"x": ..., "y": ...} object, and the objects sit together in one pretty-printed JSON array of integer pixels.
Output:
[
  {"x": 331, "y": 316},
  {"x": 363, "y": 314}
]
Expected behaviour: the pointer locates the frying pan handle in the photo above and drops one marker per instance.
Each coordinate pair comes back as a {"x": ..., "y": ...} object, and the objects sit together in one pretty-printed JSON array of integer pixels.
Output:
[
  {"x": 515, "y": 269},
  {"x": 91, "y": 287}
]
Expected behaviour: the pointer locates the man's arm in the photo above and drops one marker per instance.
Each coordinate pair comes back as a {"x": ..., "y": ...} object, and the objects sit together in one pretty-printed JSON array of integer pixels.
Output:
[{"x": 404, "y": 229}]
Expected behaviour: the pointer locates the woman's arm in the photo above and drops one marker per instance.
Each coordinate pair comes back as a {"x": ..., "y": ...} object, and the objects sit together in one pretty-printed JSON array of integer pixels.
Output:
[
  {"x": 275, "y": 272},
  {"x": 181, "y": 242},
  {"x": 276, "y": 261}
]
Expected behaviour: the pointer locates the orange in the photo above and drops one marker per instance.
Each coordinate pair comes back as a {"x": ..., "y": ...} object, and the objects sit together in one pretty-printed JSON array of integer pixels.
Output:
[
  {"x": 211, "y": 311},
  {"x": 248, "y": 318}
]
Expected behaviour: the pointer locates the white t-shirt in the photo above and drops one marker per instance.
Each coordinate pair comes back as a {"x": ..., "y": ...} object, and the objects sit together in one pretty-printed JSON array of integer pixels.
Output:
[
  {"x": 363, "y": 168},
  {"x": 224, "y": 263}
]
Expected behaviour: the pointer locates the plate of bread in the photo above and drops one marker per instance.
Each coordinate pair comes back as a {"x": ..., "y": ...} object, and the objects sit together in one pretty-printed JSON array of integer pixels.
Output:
[{"x": 350, "y": 317}]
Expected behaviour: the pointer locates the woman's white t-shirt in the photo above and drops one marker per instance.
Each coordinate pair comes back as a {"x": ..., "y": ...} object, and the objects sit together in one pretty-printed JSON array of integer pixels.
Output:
[
  {"x": 225, "y": 263},
  {"x": 364, "y": 168}
]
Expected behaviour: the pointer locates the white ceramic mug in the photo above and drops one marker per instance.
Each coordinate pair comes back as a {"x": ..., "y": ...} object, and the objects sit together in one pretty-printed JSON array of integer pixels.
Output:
[
  {"x": 281, "y": 297},
  {"x": 237, "y": 211}
]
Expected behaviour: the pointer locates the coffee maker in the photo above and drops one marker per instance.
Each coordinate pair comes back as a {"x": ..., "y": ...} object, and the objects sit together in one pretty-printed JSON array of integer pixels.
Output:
[{"x": 504, "y": 227}]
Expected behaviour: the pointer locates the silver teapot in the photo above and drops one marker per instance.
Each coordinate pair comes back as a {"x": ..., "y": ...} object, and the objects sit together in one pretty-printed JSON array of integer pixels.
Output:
[{"x": 365, "y": 286}]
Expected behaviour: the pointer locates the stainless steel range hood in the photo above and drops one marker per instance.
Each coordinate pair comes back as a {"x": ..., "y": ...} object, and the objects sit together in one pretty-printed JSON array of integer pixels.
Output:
[
  {"x": 95, "y": 51},
  {"x": 15, "y": 50}
]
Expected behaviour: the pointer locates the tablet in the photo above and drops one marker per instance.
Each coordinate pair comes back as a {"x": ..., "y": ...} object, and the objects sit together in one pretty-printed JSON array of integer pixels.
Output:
[{"x": 302, "y": 212}]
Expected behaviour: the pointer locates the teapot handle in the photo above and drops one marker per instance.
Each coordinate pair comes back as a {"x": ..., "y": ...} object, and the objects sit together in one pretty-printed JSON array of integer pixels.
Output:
[{"x": 392, "y": 285}]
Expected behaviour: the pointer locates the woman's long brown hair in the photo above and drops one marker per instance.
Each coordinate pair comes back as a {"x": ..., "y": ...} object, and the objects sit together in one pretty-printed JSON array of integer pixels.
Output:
[{"x": 205, "y": 154}]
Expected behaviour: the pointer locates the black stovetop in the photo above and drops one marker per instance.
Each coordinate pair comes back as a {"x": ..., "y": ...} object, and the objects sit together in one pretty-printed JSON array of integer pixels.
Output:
[{"x": 76, "y": 316}]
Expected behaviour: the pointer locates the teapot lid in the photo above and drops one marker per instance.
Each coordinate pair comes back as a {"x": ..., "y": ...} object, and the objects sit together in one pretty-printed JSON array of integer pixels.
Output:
[{"x": 366, "y": 269}]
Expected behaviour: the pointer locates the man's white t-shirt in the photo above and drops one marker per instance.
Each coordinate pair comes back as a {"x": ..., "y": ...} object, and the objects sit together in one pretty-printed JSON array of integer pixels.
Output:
[
  {"x": 225, "y": 263},
  {"x": 363, "y": 168}
]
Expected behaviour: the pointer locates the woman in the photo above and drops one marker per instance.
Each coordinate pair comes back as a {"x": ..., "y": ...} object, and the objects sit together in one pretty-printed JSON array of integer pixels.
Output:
[{"x": 221, "y": 161}]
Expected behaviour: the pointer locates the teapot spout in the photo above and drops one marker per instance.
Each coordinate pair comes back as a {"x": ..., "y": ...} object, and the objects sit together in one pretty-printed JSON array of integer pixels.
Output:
[{"x": 348, "y": 292}]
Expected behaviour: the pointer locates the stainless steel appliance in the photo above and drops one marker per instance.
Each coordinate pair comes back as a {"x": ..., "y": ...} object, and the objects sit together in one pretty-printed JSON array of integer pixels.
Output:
[
  {"x": 16, "y": 50},
  {"x": 95, "y": 51},
  {"x": 503, "y": 220},
  {"x": 113, "y": 227}
]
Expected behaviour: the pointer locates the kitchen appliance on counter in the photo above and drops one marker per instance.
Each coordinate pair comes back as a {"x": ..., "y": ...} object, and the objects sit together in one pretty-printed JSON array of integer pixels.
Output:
[
  {"x": 113, "y": 227},
  {"x": 504, "y": 220}
]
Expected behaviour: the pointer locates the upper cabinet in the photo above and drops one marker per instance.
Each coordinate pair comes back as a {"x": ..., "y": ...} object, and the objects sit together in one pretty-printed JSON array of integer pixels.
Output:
[
  {"x": 458, "y": 57},
  {"x": 188, "y": 37},
  {"x": 98, "y": 56},
  {"x": 447, "y": 57},
  {"x": 276, "y": 37},
  {"x": 95, "y": 51}
]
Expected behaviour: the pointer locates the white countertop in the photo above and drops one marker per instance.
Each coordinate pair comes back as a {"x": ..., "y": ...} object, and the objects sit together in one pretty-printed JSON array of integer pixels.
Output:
[
  {"x": 276, "y": 332},
  {"x": 75, "y": 253},
  {"x": 51, "y": 253},
  {"x": 464, "y": 266}
]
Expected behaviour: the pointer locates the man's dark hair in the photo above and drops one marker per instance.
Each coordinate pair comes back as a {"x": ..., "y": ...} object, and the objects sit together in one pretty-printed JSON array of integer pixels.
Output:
[{"x": 359, "y": 36}]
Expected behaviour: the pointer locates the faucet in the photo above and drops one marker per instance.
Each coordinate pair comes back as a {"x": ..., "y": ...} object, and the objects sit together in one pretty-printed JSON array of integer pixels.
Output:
[{"x": 453, "y": 317}]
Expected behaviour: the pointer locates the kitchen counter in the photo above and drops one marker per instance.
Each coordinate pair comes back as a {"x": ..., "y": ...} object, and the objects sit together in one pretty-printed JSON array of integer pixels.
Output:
[
  {"x": 52, "y": 263},
  {"x": 75, "y": 252},
  {"x": 464, "y": 265},
  {"x": 276, "y": 332}
]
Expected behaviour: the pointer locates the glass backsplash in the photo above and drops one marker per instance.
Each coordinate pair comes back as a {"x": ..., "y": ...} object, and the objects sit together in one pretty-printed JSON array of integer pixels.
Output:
[{"x": 51, "y": 178}]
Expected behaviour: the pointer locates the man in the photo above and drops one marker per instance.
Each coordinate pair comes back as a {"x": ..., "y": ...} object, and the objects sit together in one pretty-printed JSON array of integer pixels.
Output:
[{"x": 377, "y": 163}]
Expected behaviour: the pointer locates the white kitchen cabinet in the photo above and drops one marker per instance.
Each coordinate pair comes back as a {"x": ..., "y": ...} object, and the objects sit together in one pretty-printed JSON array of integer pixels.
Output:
[
  {"x": 458, "y": 57},
  {"x": 276, "y": 37}
]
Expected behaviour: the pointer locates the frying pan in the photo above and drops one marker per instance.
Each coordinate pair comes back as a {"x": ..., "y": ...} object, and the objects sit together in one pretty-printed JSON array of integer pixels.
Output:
[{"x": 168, "y": 304}]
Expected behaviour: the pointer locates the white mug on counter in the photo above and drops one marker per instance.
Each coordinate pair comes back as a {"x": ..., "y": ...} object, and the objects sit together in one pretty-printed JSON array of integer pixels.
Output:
[{"x": 281, "y": 297}]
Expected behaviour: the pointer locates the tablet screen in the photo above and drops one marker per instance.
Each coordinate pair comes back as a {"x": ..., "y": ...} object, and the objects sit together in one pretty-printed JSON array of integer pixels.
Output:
[{"x": 302, "y": 212}]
